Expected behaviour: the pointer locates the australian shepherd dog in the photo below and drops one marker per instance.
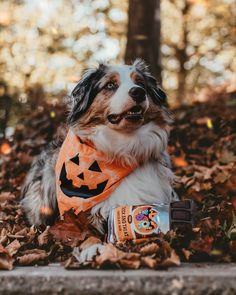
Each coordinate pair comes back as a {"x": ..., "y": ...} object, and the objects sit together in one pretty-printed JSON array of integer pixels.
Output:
[{"x": 123, "y": 112}]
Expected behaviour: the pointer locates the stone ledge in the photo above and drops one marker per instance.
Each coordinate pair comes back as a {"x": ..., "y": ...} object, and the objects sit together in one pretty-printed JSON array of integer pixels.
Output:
[{"x": 195, "y": 279}]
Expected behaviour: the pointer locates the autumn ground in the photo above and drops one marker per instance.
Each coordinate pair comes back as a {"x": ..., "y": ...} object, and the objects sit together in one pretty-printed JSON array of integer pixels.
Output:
[{"x": 202, "y": 147}]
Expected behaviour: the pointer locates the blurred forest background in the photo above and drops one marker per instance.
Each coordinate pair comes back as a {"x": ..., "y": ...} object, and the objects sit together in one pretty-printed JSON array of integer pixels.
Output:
[{"x": 45, "y": 45}]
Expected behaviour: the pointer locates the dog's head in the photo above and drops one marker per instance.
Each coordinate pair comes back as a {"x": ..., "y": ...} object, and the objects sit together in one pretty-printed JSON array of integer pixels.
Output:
[{"x": 121, "y": 103}]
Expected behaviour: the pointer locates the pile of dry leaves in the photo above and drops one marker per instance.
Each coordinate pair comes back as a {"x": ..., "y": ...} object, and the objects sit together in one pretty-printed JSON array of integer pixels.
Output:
[{"x": 203, "y": 145}]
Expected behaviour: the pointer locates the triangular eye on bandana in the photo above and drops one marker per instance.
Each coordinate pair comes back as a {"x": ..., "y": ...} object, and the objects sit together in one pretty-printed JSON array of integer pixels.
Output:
[
  {"x": 85, "y": 185},
  {"x": 83, "y": 177}
]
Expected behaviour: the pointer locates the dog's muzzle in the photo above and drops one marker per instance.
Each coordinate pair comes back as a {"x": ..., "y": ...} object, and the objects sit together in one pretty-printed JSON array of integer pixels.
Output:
[{"x": 134, "y": 114}]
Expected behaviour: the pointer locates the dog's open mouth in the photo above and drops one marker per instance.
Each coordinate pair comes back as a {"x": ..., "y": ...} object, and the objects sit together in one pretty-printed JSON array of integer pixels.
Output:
[{"x": 134, "y": 114}]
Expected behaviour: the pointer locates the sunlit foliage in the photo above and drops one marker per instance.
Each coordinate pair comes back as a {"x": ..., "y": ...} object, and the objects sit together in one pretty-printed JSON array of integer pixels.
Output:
[{"x": 46, "y": 44}]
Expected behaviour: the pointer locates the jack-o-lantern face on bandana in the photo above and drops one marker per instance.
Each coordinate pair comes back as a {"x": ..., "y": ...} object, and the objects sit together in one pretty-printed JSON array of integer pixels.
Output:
[{"x": 83, "y": 177}]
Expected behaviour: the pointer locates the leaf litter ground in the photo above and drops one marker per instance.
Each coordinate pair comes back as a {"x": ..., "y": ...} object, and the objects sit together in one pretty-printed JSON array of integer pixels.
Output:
[{"x": 202, "y": 147}]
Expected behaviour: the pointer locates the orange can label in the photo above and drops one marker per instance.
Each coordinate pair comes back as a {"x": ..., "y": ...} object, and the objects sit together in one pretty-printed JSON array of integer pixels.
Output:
[{"x": 135, "y": 222}]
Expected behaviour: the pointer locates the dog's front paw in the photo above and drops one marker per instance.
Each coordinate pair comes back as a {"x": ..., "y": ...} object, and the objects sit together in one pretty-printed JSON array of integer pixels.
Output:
[{"x": 87, "y": 254}]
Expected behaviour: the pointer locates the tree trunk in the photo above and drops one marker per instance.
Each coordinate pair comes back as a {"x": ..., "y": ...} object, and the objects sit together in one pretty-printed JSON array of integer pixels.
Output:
[
  {"x": 144, "y": 34},
  {"x": 182, "y": 57}
]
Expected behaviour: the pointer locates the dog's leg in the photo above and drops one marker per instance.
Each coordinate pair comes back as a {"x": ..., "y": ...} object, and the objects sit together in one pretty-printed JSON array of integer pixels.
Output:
[
  {"x": 39, "y": 190},
  {"x": 89, "y": 253}
]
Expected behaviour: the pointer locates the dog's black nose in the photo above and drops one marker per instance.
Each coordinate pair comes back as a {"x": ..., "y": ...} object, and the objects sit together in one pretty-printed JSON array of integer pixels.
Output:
[{"x": 138, "y": 94}]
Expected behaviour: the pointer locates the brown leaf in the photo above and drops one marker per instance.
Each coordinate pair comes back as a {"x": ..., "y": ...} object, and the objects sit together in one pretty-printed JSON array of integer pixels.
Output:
[
  {"x": 202, "y": 120},
  {"x": 173, "y": 260},
  {"x": 6, "y": 196},
  {"x": 89, "y": 242},
  {"x": 227, "y": 157},
  {"x": 31, "y": 233},
  {"x": 196, "y": 229},
  {"x": 22, "y": 233},
  {"x": 32, "y": 257},
  {"x": 206, "y": 186},
  {"x": 130, "y": 264},
  {"x": 13, "y": 247},
  {"x": 149, "y": 249},
  {"x": 3, "y": 236},
  {"x": 73, "y": 227},
  {"x": 6, "y": 261},
  {"x": 186, "y": 254},
  {"x": 149, "y": 262},
  {"x": 202, "y": 245},
  {"x": 165, "y": 249},
  {"x": 114, "y": 256},
  {"x": 221, "y": 177},
  {"x": 44, "y": 237}
]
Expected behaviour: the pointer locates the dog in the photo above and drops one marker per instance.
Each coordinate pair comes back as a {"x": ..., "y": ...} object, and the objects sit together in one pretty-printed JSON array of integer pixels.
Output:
[{"x": 122, "y": 112}]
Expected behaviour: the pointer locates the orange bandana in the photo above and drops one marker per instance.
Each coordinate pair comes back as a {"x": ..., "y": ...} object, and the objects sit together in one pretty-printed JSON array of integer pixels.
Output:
[{"x": 83, "y": 178}]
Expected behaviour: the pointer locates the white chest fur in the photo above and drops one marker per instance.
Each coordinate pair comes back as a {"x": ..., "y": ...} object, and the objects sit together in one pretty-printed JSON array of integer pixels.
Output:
[{"x": 147, "y": 184}]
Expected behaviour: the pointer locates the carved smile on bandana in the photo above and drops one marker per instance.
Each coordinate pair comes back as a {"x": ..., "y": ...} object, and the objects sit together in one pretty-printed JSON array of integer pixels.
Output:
[
  {"x": 83, "y": 176},
  {"x": 83, "y": 191}
]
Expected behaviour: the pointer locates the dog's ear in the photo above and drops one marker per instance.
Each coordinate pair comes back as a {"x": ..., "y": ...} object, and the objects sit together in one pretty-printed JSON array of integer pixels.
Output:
[
  {"x": 84, "y": 92},
  {"x": 156, "y": 93}
]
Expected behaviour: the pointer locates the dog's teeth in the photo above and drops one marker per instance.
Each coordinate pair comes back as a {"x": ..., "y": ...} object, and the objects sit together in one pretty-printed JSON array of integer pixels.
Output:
[{"x": 134, "y": 112}]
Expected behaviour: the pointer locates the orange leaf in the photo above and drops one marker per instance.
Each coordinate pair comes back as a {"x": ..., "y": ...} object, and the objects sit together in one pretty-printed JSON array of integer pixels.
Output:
[
  {"x": 5, "y": 148},
  {"x": 179, "y": 162}
]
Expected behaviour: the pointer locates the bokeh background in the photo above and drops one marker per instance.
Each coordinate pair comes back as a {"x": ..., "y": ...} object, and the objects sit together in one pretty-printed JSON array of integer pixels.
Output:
[{"x": 45, "y": 45}]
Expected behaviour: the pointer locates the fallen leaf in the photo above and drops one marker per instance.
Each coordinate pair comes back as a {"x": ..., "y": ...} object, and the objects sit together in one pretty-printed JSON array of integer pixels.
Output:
[
  {"x": 196, "y": 229},
  {"x": 89, "y": 242},
  {"x": 173, "y": 260},
  {"x": 202, "y": 120},
  {"x": 32, "y": 257},
  {"x": 129, "y": 263},
  {"x": 114, "y": 256},
  {"x": 186, "y": 254},
  {"x": 179, "y": 162},
  {"x": 73, "y": 227},
  {"x": 227, "y": 157},
  {"x": 3, "y": 236},
  {"x": 209, "y": 124},
  {"x": 44, "y": 237},
  {"x": 6, "y": 261},
  {"x": 149, "y": 262},
  {"x": 5, "y": 148},
  {"x": 165, "y": 249},
  {"x": 149, "y": 249},
  {"x": 13, "y": 247},
  {"x": 233, "y": 201},
  {"x": 7, "y": 196},
  {"x": 202, "y": 245},
  {"x": 22, "y": 233},
  {"x": 221, "y": 177}
]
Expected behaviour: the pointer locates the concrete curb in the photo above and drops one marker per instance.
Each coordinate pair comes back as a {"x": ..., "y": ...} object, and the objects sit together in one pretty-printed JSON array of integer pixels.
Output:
[{"x": 195, "y": 279}]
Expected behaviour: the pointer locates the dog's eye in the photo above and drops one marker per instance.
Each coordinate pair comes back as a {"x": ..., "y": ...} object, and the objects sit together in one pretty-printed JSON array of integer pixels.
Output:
[{"x": 111, "y": 86}]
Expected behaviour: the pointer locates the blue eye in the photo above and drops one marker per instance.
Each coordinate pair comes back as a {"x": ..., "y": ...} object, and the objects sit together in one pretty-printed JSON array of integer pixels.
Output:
[{"x": 111, "y": 86}]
